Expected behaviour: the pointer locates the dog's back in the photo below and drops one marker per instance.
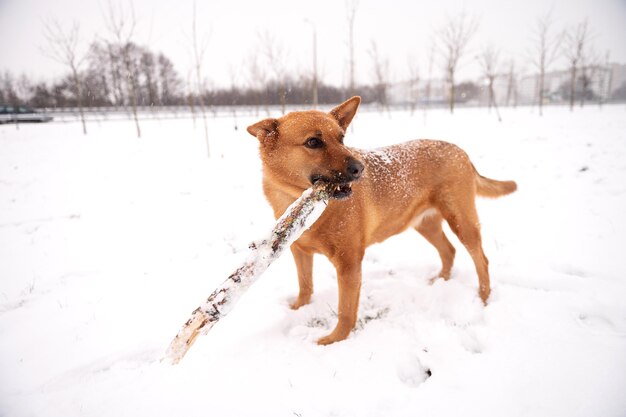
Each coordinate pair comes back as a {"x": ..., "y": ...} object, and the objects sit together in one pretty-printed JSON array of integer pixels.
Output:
[{"x": 403, "y": 181}]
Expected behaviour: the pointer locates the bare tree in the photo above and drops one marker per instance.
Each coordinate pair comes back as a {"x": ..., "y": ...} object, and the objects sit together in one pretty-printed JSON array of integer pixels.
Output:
[
  {"x": 10, "y": 94},
  {"x": 191, "y": 101},
  {"x": 148, "y": 67},
  {"x": 6, "y": 87},
  {"x": 511, "y": 87},
  {"x": 24, "y": 88},
  {"x": 545, "y": 52},
  {"x": 589, "y": 65},
  {"x": 275, "y": 56},
  {"x": 98, "y": 59},
  {"x": 199, "y": 48},
  {"x": 169, "y": 80},
  {"x": 604, "y": 78},
  {"x": 233, "y": 72},
  {"x": 575, "y": 40},
  {"x": 116, "y": 69},
  {"x": 489, "y": 63},
  {"x": 351, "y": 9},
  {"x": 453, "y": 38},
  {"x": 123, "y": 32},
  {"x": 431, "y": 60},
  {"x": 41, "y": 96},
  {"x": 315, "y": 76},
  {"x": 257, "y": 77},
  {"x": 63, "y": 48},
  {"x": 380, "y": 69},
  {"x": 414, "y": 79}
]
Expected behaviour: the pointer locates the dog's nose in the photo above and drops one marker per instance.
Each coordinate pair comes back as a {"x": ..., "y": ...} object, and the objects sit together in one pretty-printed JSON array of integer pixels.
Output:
[{"x": 354, "y": 169}]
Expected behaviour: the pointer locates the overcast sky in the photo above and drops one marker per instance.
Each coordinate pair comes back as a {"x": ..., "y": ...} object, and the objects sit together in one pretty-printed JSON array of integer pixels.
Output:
[{"x": 402, "y": 30}]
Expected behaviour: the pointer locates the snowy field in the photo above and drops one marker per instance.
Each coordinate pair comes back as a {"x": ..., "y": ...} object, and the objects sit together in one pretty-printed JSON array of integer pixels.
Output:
[{"x": 108, "y": 242}]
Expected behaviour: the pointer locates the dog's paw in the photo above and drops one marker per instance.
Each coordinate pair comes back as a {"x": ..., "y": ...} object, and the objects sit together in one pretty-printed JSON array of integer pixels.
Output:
[
  {"x": 300, "y": 301},
  {"x": 336, "y": 336},
  {"x": 484, "y": 292},
  {"x": 326, "y": 340},
  {"x": 440, "y": 275}
]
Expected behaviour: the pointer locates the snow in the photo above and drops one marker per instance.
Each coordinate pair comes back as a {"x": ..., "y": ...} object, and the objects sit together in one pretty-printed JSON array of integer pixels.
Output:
[{"x": 108, "y": 242}]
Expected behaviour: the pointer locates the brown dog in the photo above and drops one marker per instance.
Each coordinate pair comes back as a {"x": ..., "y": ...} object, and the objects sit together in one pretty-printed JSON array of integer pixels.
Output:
[{"x": 379, "y": 193}]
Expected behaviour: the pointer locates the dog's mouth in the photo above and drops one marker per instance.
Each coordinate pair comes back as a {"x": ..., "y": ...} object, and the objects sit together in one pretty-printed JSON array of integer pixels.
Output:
[{"x": 341, "y": 190}]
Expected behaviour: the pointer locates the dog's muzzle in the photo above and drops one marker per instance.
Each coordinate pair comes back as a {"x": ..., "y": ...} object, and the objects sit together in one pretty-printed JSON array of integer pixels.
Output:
[{"x": 342, "y": 180}]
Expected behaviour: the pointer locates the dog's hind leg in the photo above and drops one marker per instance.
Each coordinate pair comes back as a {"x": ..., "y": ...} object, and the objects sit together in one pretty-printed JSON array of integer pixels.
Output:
[
  {"x": 304, "y": 265},
  {"x": 430, "y": 228},
  {"x": 463, "y": 220}
]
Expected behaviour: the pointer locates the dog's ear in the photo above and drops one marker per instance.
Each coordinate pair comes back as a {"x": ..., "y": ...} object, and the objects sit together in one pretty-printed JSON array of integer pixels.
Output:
[
  {"x": 264, "y": 129},
  {"x": 346, "y": 111}
]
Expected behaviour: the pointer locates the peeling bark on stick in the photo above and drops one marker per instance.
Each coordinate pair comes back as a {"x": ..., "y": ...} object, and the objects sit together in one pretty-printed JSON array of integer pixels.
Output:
[{"x": 297, "y": 218}]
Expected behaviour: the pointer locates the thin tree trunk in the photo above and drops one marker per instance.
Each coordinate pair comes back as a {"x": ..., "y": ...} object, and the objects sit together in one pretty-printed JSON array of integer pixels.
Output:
[
  {"x": 585, "y": 83},
  {"x": 202, "y": 109},
  {"x": 452, "y": 93},
  {"x": 206, "y": 126},
  {"x": 283, "y": 99},
  {"x": 540, "y": 92},
  {"x": 79, "y": 98},
  {"x": 133, "y": 103},
  {"x": 509, "y": 87},
  {"x": 492, "y": 99},
  {"x": 192, "y": 107},
  {"x": 198, "y": 54},
  {"x": 132, "y": 88},
  {"x": 572, "y": 87},
  {"x": 428, "y": 85}
]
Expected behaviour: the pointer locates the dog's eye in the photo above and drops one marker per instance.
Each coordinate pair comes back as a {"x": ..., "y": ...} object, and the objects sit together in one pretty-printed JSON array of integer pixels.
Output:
[
  {"x": 314, "y": 143},
  {"x": 341, "y": 139}
]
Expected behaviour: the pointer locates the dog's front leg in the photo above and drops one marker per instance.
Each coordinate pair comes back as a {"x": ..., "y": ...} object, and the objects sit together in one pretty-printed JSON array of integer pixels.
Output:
[
  {"x": 304, "y": 265},
  {"x": 349, "y": 283}
]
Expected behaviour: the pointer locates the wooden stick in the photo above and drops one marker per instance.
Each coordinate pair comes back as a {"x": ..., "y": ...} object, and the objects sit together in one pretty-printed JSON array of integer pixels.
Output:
[{"x": 296, "y": 220}]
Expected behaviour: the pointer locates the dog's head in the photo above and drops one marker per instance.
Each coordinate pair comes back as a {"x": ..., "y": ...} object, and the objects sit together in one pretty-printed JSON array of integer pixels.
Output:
[{"x": 301, "y": 148}]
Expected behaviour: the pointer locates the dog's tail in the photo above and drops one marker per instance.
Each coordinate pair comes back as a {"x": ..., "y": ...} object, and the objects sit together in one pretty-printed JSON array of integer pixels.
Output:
[{"x": 486, "y": 187}]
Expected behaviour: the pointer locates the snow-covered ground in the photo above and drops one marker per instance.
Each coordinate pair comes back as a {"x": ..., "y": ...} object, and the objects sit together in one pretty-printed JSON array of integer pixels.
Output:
[{"x": 108, "y": 242}]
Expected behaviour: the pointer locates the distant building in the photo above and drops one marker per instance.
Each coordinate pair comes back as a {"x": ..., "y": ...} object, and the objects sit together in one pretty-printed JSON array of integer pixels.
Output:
[{"x": 617, "y": 78}]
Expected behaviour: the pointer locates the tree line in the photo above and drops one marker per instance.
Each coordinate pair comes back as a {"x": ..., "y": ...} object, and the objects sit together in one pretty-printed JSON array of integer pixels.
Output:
[
  {"x": 104, "y": 83},
  {"x": 118, "y": 72}
]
